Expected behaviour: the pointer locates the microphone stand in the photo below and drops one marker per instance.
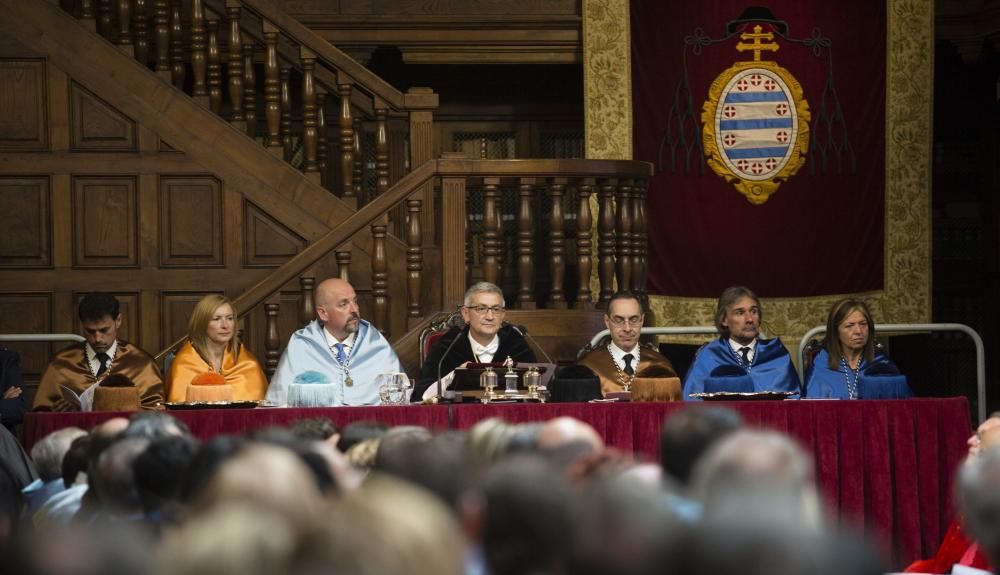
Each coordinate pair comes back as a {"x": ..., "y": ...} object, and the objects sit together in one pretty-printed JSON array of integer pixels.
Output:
[{"x": 461, "y": 334}]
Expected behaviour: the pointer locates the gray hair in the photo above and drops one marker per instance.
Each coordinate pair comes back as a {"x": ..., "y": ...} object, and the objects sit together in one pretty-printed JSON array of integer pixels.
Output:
[
  {"x": 483, "y": 287},
  {"x": 48, "y": 453}
]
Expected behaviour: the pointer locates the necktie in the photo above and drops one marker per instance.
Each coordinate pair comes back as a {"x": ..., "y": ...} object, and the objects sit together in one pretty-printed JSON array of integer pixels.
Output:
[
  {"x": 340, "y": 354},
  {"x": 745, "y": 351},
  {"x": 103, "y": 358},
  {"x": 628, "y": 364}
]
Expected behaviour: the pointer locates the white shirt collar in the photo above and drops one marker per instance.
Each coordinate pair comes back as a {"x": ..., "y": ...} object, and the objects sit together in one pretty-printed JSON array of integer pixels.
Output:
[
  {"x": 332, "y": 341},
  {"x": 95, "y": 363},
  {"x": 490, "y": 349},
  {"x": 737, "y": 345},
  {"x": 618, "y": 354}
]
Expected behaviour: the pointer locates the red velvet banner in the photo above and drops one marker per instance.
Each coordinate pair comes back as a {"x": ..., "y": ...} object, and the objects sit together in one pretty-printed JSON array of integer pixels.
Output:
[{"x": 822, "y": 231}]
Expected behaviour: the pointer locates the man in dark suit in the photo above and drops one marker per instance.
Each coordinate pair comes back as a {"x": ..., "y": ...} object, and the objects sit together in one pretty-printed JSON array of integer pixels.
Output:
[
  {"x": 484, "y": 339},
  {"x": 13, "y": 403}
]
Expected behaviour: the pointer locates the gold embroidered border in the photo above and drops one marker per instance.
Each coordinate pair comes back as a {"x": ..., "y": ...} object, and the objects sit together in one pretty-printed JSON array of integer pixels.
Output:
[{"x": 906, "y": 296}]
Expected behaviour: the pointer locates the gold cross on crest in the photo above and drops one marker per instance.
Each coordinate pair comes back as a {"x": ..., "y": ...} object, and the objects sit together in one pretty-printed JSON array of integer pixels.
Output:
[{"x": 757, "y": 46}]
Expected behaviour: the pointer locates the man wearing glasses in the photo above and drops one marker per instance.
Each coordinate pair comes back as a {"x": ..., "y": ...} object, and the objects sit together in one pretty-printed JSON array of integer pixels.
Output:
[
  {"x": 484, "y": 339},
  {"x": 620, "y": 362}
]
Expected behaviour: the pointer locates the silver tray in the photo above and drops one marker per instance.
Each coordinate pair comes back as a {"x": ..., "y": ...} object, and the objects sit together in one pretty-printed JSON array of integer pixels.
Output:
[
  {"x": 181, "y": 405},
  {"x": 744, "y": 395}
]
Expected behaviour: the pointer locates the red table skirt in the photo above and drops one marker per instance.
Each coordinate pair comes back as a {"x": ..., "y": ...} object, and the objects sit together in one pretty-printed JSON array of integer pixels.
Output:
[{"x": 886, "y": 466}]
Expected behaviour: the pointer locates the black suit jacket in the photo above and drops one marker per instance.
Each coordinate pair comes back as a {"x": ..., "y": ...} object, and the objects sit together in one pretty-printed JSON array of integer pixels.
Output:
[
  {"x": 511, "y": 344},
  {"x": 11, "y": 410}
]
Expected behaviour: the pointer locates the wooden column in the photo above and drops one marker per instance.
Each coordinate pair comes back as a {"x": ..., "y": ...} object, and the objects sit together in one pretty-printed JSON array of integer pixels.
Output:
[
  {"x": 249, "y": 90},
  {"x": 140, "y": 25},
  {"x": 346, "y": 124},
  {"x": 198, "y": 48},
  {"x": 125, "y": 26},
  {"x": 285, "y": 126},
  {"x": 272, "y": 343},
  {"x": 104, "y": 22},
  {"x": 453, "y": 244},
  {"x": 343, "y": 254},
  {"x": 491, "y": 233},
  {"x": 606, "y": 240},
  {"x": 272, "y": 90},
  {"x": 161, "y": 31},
  {"x": 381, "y": 148},
  {"x": 380, "y": 276},
  {"x": 414, "y": 259},
  {"x": 421, "y": 103},
  {"x": 583, "y": 244},
  {"x": 87, "y": 15},
  {"x": 623, "y": 235},
  {"x": 557, "y": 245},
  {"x": 322, "y": 136},
  {"x": 307, "y": 309},
  {"x": 235, "y": 60},
  {"x": 526, "y": 244},
  {"x": 214, "y": 60},
  {"x": 358, "y": 178},
  {"x": 639, "y": 239},
  {"x": 176, "y": 44},
  {"x": 310, "y": 121}
]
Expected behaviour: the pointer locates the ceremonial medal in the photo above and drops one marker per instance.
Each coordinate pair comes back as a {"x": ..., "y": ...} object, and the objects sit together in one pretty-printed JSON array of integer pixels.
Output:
[{"x": 348, "y": 381}]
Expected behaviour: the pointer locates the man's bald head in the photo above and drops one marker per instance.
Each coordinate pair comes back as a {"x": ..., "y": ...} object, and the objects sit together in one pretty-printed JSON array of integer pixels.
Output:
[
  {"x": 337, "y": 307},
  {"x": 562, "y": 431}
]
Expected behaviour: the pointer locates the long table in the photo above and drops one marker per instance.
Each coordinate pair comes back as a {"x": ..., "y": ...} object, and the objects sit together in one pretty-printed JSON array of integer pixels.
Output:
[{"x": 886, "y": 466}]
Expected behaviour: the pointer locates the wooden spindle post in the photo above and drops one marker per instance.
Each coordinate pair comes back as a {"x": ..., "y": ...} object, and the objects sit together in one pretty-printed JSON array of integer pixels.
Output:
[
  {"x": 249, "y": 90},
  {"x": 307, "y": 309},
  {"x": 557, "y": 245},
  {"x": 285, "y": 126},
  {"x": 235, "y": 60},
  {"x": 214, "y": 60},
  {"x": 272, "y": 90},
  {"x": 623, "y": 235},
  {"x": 380, "y": 276},
  {"x": 414, "y": 259},
  {"x": 526, "y": 244},
  {"x": 140, "y": 28},
  {"x": 176, "y": 44},
  {"x": 639, "y": 239},
  {"x": 272, "y": 343},
  {"x": 606, "y": 240},
  {"x": 584, "y": 245},
  {"x": 322, "y": 136},
  {"x": 358, "y": 177},
  {"x": 491, "y": 233},
  {"x": 104, "y": 22},
  {"x": 199, "y": 64},
  {"x": 310, "y": 120},
  {"x": 343, "y": 254},
  {"x": 125, "y": 23},
  {"x": 346, "y": 124},
  {"x": 381, "y": 148},
  {"x": 87, "y": 15},
  {"x": 161, "y": 26}
]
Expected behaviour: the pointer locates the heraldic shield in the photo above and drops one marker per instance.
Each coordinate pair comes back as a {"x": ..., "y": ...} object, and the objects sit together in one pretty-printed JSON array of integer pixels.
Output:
[{"x": 756, "y": 122}]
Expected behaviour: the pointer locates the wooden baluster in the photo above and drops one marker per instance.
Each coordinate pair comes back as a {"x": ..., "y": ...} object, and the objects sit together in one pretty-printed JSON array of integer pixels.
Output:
[
  {"x": 285, "y": 126},
  {"x": 639, "y": 239},
  {"x": 310, "y": 120},
  {"x": 161, "y": 25},
  {"x": 198, "y": 46},
  {"x": 272, "y": 90},
  {"x": 176, "y": 44},
  {"x": 381, "y": 148},
  {"x": 583, "y": 244},
  {"x": 214, "y": 60},
  {"x": 557, "y": 243},
  {"x": 307, "y": 311},
  {"x": 343, "y": 254},
  {"x": 104, "y": 23},
  {"x": 469, "y": 247},
  {"x": 140, "y": 27},
  {"x": 606, "y": 240},
  {"x": 454, "y": 244},
  {"x": 249, "y": 90},
  {"x": 125, "y": 26},
  {"x": 346, "y": 143},
  {"x": 414, "y": 258},
  {"x": 272, "y": 343},
  {"x": 526, "y": 245},
  {"x": 491, "y": 233},
  {"x": 235, "y": 60},
  {"x": 358, "y": 179},
  {"x": 322, "y": 136},
  {"x": 87, "y": 15},
  {"x": 623, "y": 235},
  {"x": 380, "y": 276}
]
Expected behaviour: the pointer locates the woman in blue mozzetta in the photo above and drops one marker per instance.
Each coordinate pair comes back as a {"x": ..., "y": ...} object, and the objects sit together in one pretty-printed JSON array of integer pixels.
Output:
[{"x": 848, "y": 366}]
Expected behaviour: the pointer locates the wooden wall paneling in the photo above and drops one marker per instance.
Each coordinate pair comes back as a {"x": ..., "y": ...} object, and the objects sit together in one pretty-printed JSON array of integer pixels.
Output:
[
  {"x": 191, "y": 222},
  {"x": 105, "y": 221},
  {"x": 129, "y": 307},
  {"x": 28, "y": 312},
  {"x": 267, "y": 242},
  {"x": 96, "y": 126},
  {"x": 149, "y": 248},
  {"x": 149, "y": 321},
  {"x": 234, "y": 226},
  {"x": 175, "y": 312},
  {"x": 23, "y": 104},
  {"x": 58, "y": 110},
  {"x": 25, "y": 222},
  {"x": 288, "y": 322}
]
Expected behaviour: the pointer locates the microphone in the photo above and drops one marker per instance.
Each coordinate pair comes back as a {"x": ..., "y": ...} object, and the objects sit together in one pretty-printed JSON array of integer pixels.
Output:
[
  {"x": 523, "y": 331},
  {"x": 461, "y": 333}
]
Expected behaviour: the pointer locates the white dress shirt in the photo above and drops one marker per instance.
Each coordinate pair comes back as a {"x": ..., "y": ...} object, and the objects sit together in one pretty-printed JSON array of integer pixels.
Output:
[
  {"x": 95, "y": 363},
  {"x": 737, "y": 346}
]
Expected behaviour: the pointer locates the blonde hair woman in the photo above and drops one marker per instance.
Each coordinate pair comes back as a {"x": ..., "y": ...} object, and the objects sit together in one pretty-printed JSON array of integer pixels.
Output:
[{"x": 213, "y": 354}]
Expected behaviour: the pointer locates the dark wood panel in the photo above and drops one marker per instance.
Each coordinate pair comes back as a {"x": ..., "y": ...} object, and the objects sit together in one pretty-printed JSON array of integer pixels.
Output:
[
  {"x": 23, "y": 105},
  {"x": 266, "y": 242},
  {"x": 175, "y": 312},
  {"x": 129, "y": 308},
  {"x": 25, "y": 223},
  {"x": 105, "y": 220},
  {"x": 508, "y": 9},
  {"x": 28, "y": 313},
  {"x": 95, "y": 125},
  {"x": 191, "y": 222}
]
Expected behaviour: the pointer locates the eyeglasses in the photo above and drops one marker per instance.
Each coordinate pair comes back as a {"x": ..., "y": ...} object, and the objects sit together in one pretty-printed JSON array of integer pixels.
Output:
[
  {"x": 483, "y": 309},
  {"x": 634, "y": 321}
]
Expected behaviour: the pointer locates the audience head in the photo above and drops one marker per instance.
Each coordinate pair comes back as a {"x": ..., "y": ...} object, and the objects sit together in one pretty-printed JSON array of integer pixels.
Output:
[
  {"x": 738, "y": 314},
  {"x": 74, "y": 463},
  {"x": 154, "y": 425},
  {"x": 158, "y": 471},
  {"x": 213, "y": 325},
  {"x": 986, "y": 435},
  {"x": 212, "y": 454},
  {"x": 359, "y": 431},
  {"x": 488, "y": 440},
  {"x": 316, "y": 462},
  {"x": 75, "y": 549},
  {"x": 689, "y": 433},
  {"x": 559, "y": 432},
  {"x": 114, "y": 478},
  {"x": 623, "y": 318},
  {"x": 850, "y": 330},
  {"x": 100, "y": 320},
  {"x": 483, "y": 311},
  {"x": 317, "y": 429},
  {"x": 49, "y": 452},
  {"x": 337, "y": 307},
  {"x": 979, "y": 501}
]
